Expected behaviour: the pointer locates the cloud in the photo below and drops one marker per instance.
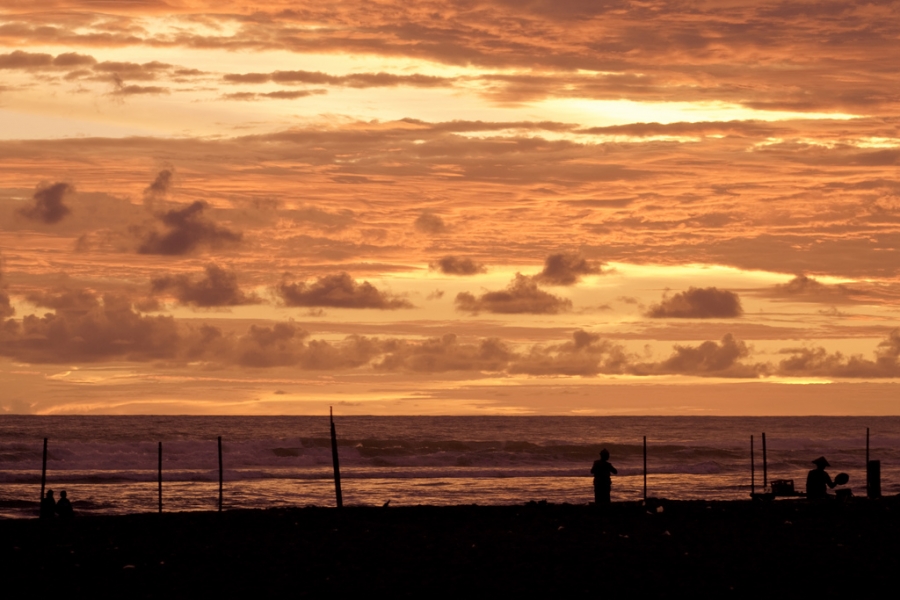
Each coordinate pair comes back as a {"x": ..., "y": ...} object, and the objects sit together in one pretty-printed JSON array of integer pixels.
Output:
[
  {"x": 6, "y": 309},
  {"x": 608, "y": 50},
  {"x": 566, "y": 269},
  {"x": 279, "y": 345},
  {"x": 339, "y": 291},
  {"x": 586, "y": 355},
  {"x": 81, "y": 331},
  {"x": 454, "y": 265},
  {"x": 355, "y": 80},
  {"x": 708, "y": 359},
  {"x": 428, "y": 222},
  {"x": 818, "y": 362},
  {"x": 123, "y": 89},
  {"x": 186, "y": 229},
  {"x": 443, "y": 354},
  {"x": 284, "y": 344},
  {"x": 806, "y": 289},
  {"x": 277, "y": 95},
  {"x": 19, "y": 59},
  {"x": 160, "y": 186},
  {"x": 698, "y": 303},
  {"x": 218, "y": 287},
  {"x": 521, "y": 296},
  {"x": 48, "y": 205},
  {"x": 88, "y": 328},
  {"x": 66, "y": 300}
]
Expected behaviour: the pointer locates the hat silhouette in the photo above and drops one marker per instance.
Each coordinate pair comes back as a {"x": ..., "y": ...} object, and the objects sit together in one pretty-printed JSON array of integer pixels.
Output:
[{"x": 821, "y": 462}]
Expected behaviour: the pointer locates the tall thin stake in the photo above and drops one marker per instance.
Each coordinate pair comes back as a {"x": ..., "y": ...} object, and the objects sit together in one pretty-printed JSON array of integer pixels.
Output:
[
  {"x": 334, "y": 458},
  {"x": 867, "y": 462},
  {"x": 752, "y": 470},
  {"x": 220, "y": 473},
  {"x": 159, "y": 478},
  {"x": 44, "y": 470},
  {"x": 645, "y": 468},
  {"x": 765, "y": 464}
]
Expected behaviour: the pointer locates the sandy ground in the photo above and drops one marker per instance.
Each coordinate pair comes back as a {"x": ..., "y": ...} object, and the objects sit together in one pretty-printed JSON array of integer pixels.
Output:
[{"x": 663, "y": 549}]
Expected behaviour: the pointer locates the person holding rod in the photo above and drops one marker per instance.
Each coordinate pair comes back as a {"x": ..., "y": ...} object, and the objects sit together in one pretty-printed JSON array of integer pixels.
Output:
[{"x": 602, "y": 480}]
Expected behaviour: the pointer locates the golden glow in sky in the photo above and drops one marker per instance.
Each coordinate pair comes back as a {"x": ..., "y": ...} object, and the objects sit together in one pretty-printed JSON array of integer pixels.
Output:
[{"x": 561, "y": 208}]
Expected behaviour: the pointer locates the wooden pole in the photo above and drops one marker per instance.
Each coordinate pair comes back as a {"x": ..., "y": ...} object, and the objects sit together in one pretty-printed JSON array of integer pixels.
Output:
[
  {"x": 645, "y": 468},
  {"x": 752, "y": 470},
  {"x": 159, "y": 478},
  {"x": 334, "y": 459},
  {"x": 220, "y": 473},
  {"x": 765, "y": 464},
  {"x": 44, "y": 471},
  {"x": 873, "y": 473}
]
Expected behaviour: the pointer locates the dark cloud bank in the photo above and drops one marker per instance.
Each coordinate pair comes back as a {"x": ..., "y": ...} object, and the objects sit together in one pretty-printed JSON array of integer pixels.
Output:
[{"x": 88, "y": 327}]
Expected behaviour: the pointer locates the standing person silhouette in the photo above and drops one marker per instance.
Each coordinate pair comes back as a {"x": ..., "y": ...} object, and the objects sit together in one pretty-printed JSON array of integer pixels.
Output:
[
  {"x": 602, "y": 480},
  {"x": 817, "y": 479},
  {"x": 64, "y": 507},
  {"x": 48, "y": 506}
]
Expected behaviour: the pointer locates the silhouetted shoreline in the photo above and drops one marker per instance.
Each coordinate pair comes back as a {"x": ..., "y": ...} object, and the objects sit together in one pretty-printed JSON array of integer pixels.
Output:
[{"x": 658, "y": 549}]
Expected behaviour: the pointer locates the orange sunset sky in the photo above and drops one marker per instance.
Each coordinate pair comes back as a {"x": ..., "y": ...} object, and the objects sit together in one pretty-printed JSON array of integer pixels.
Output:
[{"x": 469, "y": 207}]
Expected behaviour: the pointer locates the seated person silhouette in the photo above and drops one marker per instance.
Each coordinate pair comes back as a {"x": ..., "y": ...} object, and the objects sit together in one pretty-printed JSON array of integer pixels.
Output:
[
  {"x": 64, "y": 507},
  {"x": 817, "y": 479},
  {"x": 48, "y": 506},
  {"x": 602, "y": 480}
]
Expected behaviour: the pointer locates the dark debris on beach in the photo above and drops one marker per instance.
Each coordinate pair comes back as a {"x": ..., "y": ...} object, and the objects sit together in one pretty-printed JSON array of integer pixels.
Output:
[{"x": 664, "y": 549}]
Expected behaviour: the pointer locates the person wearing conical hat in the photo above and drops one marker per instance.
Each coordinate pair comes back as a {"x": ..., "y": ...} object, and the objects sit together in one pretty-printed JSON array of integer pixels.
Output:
[
  {"x": 818, "y": 479},
  {"x": 602, "y": 480}
]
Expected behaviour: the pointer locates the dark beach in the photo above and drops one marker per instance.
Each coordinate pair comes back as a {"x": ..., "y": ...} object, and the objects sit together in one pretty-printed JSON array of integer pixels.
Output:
[{"x": 664, "y": 549}]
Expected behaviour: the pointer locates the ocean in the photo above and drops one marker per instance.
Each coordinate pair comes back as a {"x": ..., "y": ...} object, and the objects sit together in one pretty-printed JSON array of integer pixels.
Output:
[{"x": 108, "y": 464}]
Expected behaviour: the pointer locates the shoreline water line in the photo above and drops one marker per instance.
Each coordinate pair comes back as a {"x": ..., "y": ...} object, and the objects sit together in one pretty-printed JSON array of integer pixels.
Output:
[{"x": 109, "y": 465}]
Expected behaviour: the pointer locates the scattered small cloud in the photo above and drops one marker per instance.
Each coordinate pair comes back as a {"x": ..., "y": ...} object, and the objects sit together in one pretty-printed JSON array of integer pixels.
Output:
[
  {"x": 698, "y": 303},
  {"x": 217, "y": 287},
  {"x": 353, "y": 80},
  {"x": 454, "y": 265},
  {"x": 159, "y": 187},
  {"x": 48, "y": 207},
  {"x": 832, "y": 311},
  {"x": 6, "y": 308},
  {"x": 185, "y": 230},
  {"x": 818, "y": 362},
  {"x": 567, "y": 269},
  {"x": 708, "y": 359},
  {"x": 430, "y": 223},
  {"x": 807, "y": 289},
  {"x": 522, "y": 295},
  {"x": 339, "y": 291},
  {"x": 277, "y": 95},
  {"x": 120, "y": 88},
  {"x": 586, "y": 355},
  {"x": 447, "y": 353}
]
